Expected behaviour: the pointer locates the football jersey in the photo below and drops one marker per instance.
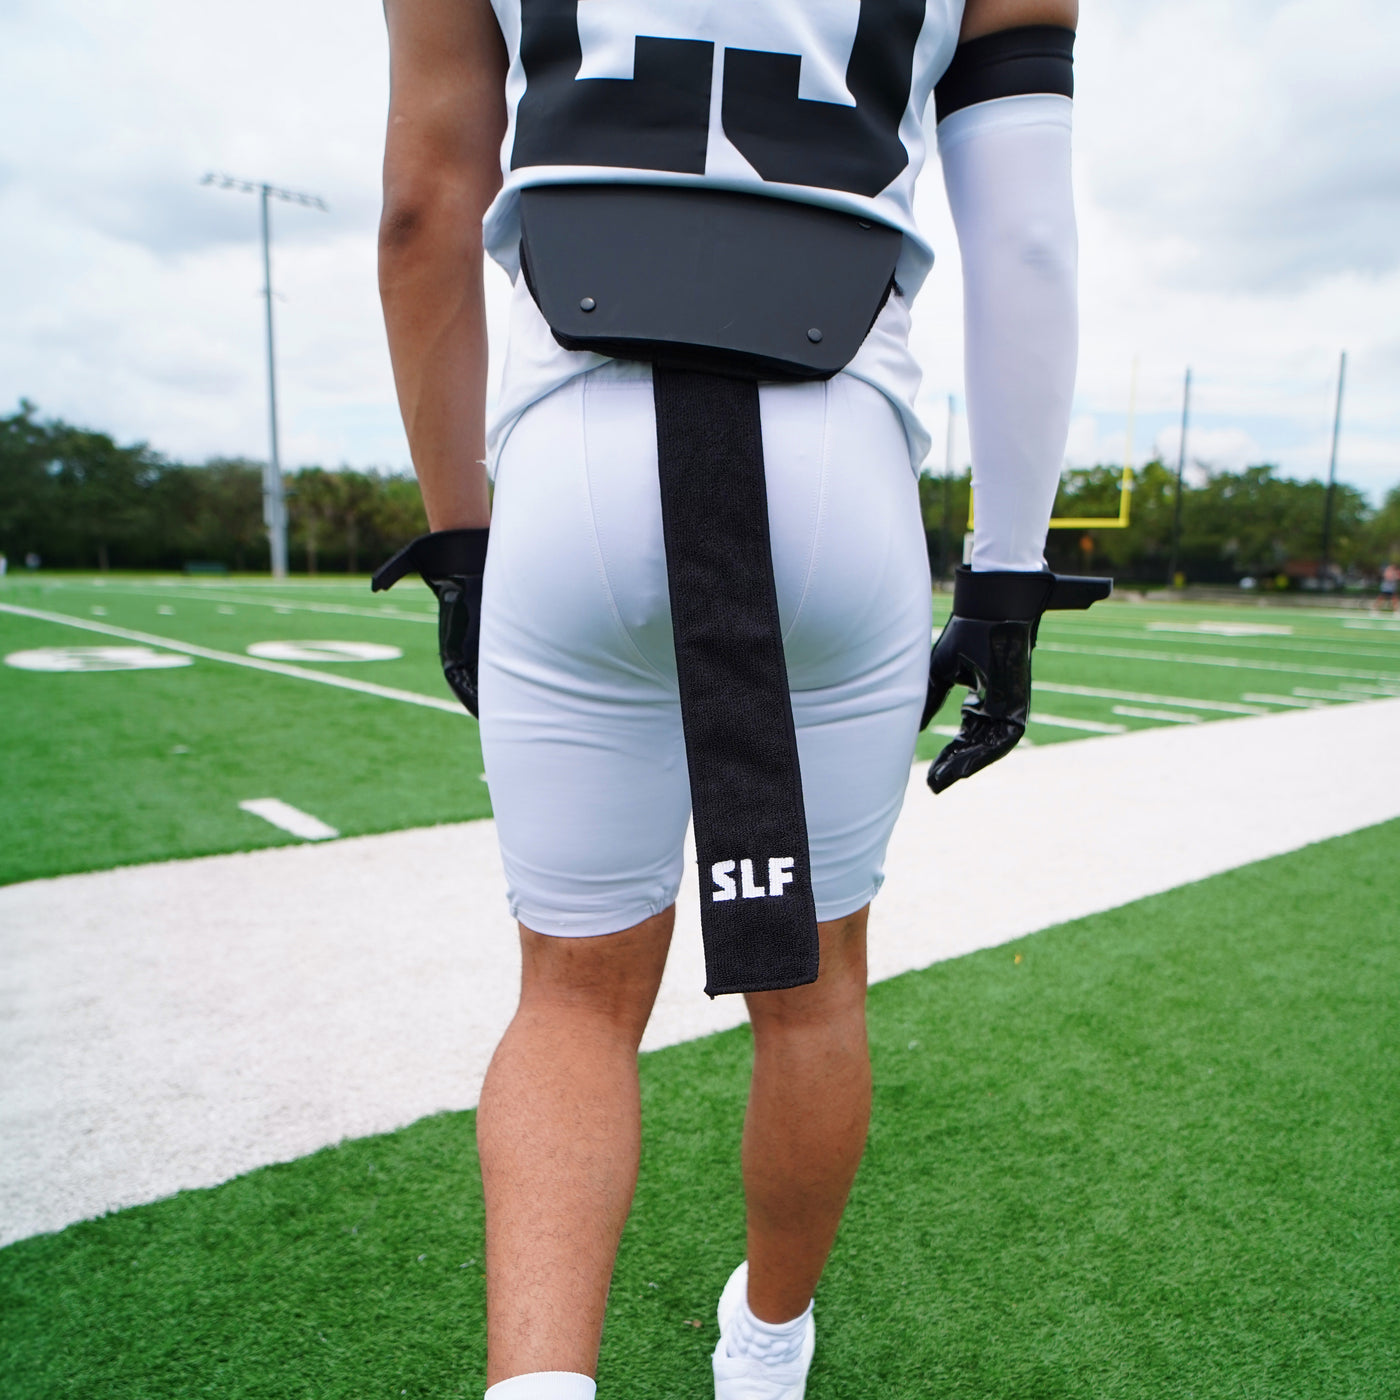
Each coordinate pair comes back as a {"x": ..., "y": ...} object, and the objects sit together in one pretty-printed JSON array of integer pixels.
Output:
[{"x": 819, "y": 101}]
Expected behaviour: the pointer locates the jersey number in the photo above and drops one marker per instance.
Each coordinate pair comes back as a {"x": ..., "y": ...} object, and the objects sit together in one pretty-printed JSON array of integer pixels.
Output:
[{"x": 659, "y": 119}]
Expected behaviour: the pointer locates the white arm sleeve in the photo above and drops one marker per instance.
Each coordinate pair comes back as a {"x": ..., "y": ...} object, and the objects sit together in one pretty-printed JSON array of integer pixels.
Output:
[{"x": 1006, "y": 164}]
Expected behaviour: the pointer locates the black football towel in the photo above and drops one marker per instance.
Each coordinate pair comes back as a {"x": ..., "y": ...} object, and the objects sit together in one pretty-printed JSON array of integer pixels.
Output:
[{"x": 757, "y": 912}]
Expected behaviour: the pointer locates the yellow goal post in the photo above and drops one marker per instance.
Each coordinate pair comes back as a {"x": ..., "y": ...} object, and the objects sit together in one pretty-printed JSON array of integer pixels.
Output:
[{"x": 1125, "y": 488}]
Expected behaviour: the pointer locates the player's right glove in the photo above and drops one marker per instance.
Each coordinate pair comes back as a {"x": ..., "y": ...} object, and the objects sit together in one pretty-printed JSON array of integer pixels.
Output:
[
  {"x": 451, "y": 563},
  {"x": 986, "y": 645}
]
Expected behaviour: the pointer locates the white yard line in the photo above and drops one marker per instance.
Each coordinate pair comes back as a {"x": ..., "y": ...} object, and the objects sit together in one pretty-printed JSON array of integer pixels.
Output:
[
  {"x": 173, "y": 1025},
  {"x": 386, "y": 612},
  {"x": 1233, "y": 663},
  {"x": 231, "y": 658},
  {"x": 1133, "y": 696},
  {"x": 288, "y": 818}
]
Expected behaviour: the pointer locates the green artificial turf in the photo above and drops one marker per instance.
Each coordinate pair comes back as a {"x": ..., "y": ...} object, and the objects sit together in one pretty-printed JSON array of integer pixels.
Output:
[
  {"x": 117, "y": 767},
  {"x": 1152, "y": 1153},
  {"x": 105, "y": 769}
]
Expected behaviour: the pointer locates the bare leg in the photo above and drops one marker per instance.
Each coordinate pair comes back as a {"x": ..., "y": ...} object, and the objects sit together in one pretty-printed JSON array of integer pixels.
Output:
[
  {"x": 559, "y": 1133},
  {"x": 809, "y": 1109}
]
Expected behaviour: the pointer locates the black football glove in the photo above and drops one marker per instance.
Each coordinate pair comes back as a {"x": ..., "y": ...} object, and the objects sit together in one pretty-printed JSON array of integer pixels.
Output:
[
  {"x": 986, "y": 646},
  {"x": 451, "y": 563}
]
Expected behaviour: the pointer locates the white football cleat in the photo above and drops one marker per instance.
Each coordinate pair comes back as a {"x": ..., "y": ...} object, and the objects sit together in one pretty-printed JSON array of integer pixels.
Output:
[{"x": 748, "y": 1378}]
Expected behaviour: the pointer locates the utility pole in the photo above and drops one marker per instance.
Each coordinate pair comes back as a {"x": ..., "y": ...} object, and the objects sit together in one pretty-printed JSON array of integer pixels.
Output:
[
  {"x": 1332, "y": 475},
  {"x": 274, "y": 505},
  {"x": 1180, "y": 472},
  {"x": 944, "y": 539}
]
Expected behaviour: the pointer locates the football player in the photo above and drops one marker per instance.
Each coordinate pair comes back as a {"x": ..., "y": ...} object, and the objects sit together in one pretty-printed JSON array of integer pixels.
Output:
[{"x": 564, "y": 637}]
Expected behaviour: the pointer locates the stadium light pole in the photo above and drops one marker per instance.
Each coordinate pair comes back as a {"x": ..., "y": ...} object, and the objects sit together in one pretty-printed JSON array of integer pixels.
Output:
[
  {"x": 274, "y": 503},
  {"x": 1180, "y": 472},
  {"x": 1332, "y": 474}
]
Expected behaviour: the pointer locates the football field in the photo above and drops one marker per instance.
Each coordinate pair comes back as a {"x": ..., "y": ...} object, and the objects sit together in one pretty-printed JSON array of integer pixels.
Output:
[
  {"x": 141, "y": 712},
  {"x": 1150, "y": 1149}
]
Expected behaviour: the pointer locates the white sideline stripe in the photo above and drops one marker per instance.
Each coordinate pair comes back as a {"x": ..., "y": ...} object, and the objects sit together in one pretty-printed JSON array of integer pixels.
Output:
[
  {"x": 170, "y": 1026},
  {"x": 1169, "y": 716},
  {"x": 1234, "y": 663},
  {"x": 1224, "y": 706},
  {"x": 229, "y": 658},
  {"x": 289, "y": 818},
  {"x": 1089, "y": 726},
  {"x": 1289, "y": 700}
]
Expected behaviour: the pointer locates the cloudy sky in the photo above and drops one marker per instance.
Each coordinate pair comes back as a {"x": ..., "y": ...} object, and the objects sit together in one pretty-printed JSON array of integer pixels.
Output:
[{"x": 1239, "y": 196}]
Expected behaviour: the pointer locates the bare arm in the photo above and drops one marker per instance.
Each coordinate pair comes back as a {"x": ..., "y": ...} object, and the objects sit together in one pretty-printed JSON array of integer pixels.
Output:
[
  {"x": 447, "y": 116},
  {"x": 990, "y": 16}
]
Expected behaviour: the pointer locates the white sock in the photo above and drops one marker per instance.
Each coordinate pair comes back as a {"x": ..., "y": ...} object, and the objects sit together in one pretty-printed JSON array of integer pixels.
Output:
[
  {"x": 773, "y": 1343},
  {"x": 545, "y": 1385}
]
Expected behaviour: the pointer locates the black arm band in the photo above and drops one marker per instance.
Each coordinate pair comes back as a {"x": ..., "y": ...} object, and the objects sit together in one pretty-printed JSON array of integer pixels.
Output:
[{"x": 1011, "y": 63}]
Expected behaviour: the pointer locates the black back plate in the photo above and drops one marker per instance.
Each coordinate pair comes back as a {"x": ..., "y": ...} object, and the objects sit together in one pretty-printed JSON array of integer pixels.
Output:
[{"x": 745, "y": 285}]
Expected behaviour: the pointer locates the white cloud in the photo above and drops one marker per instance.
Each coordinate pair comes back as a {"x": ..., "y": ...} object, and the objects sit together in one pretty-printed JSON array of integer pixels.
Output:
[{"x": 1239, "y": 186}]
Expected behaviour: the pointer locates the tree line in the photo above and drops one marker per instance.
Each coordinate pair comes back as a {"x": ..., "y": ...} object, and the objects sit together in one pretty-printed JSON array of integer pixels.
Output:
[
  {"x": 75, "y": 498},
  {"x": 1252, "y": 523}
]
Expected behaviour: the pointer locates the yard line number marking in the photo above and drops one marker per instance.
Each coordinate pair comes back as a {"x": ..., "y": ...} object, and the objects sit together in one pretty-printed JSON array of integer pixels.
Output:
[
  {"x": 276, "y": 668},
  {"x": 95, "y": 659}
]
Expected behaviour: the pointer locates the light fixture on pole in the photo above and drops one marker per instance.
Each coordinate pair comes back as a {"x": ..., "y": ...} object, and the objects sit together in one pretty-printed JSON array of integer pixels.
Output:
[{"x": 274, "y": 506}]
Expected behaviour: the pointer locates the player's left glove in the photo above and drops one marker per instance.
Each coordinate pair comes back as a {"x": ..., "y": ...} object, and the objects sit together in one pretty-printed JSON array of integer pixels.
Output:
[
  {"x": 451, "y": 563},
  {"x": 986, "y": 645}
]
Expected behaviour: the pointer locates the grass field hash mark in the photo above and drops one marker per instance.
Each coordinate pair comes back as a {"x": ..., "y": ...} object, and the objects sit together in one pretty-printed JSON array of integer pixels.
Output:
[
  {"x": 288, "y": 818},
  {"x": 1166, "y": 716},
  {"x": 276, "y": 668},
  {"x": 1290, "y": 701},
  {"x": 1337, "y": 696},
  {"x": 1089, "y": 726},
  {"x": 1139, "y": 697}
]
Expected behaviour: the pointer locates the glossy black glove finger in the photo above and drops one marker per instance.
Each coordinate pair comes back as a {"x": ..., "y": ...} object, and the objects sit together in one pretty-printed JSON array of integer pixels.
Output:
[
  {"x": 942, "y": 676},
  {"x": 952, "y": 662},
  {"x": 986, "y": 646},
  {"x": 459, "y": 635},
  {"x": 451, "y": 563},
  {"x": 982, "y": 740},
  {"x": 993, "y": 660}
]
